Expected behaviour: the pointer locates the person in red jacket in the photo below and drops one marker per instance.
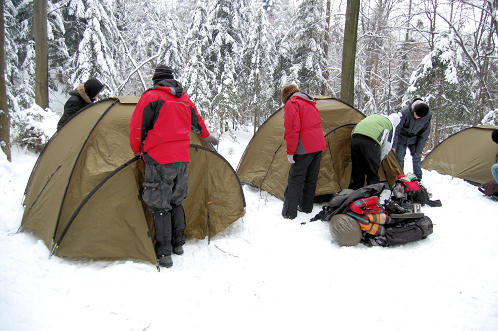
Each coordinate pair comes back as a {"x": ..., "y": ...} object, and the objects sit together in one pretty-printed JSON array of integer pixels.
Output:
[
  {"x": 159, "y": 131},
  {"x": 305, "y": 143}
]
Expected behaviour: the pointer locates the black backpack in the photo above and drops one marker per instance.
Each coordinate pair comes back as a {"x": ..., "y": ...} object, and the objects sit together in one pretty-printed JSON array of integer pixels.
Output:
[{"x": 402, "y": 231}]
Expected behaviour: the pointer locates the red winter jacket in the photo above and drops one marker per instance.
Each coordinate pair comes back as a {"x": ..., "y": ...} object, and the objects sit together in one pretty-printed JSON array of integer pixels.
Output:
[
  {"x": 302, "y": 122},
  {"x": 162, "y": 120}
]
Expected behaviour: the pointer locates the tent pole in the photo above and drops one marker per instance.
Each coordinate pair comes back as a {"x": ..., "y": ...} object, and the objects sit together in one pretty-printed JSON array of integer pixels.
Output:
[{"x": 53, "y": 247}]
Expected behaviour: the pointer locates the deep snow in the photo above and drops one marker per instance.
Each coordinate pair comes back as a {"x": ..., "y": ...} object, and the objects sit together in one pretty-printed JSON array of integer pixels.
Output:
[{"x": 264, "y": 272}]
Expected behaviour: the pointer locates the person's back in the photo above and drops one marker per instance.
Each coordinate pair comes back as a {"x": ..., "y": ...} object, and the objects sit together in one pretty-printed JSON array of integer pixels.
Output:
[
  {"x": 159, "y": 131},
  {"x": 167, "y": 138},
  {"x": 302, "y": 122},
  {"x": 371, "y": 141},
  {"x": 373, "y": 126},
  {"x": 79, "y": 98}
]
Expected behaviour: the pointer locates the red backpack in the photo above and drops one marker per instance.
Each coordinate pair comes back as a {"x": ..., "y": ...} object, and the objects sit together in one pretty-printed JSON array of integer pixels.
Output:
[{"x": 408, "y": 188}]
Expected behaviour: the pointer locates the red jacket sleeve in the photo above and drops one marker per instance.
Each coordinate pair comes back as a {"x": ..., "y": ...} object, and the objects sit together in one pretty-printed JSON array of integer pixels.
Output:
[
  {"x": 136, "y": 125},
  {"x": 292, "y": 125},
  {"x": 198, "y": 125}
]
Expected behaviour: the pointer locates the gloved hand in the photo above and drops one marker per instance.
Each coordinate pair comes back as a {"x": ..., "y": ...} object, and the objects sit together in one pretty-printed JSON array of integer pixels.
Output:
[
  {"x": 291, "y": 158},
  {"x": 211, "y": 140}
]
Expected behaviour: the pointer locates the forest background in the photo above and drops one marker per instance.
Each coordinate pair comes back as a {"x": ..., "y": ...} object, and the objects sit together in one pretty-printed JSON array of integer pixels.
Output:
[{"x": 233, "y": 56}]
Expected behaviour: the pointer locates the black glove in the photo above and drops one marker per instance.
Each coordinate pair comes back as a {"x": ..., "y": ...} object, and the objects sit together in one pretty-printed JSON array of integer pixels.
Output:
[{"x": 211, "y": 140}]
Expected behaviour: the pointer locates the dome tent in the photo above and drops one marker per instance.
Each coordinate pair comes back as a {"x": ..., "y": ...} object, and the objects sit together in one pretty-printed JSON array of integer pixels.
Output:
[
  {"x": 467, "y": 154},
  {"x": 83, "y": 196},
  {"x": 264, "y": 163}
]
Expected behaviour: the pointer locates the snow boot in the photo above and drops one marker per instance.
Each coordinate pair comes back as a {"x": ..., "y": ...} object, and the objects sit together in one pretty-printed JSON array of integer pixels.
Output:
[
  {"x": 178, "y": 250},
  {"x": 165, "y": 261}
]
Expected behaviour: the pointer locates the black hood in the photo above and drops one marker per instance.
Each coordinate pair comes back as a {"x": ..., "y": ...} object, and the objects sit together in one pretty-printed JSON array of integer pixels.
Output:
[{"x": 176, "y": 86}]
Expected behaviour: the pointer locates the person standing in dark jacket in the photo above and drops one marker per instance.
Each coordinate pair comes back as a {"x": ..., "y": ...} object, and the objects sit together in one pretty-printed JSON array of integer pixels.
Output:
[
  {"x": 413, "y": 132},
  {"x": 81, "y": 97},
  {"x": 159, "y": 131},
  {"x": 305, "y": 143}
]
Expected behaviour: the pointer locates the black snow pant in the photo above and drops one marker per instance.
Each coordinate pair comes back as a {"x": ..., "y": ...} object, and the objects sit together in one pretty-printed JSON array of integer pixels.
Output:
[
  {"x": 165, "y": 187},
  {"x": 301, "y": 184},
  {"x": 365, "y": 157}
]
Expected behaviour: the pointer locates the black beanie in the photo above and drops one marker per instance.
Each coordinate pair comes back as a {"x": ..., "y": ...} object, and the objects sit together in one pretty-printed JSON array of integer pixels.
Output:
[
  {"x": 494, "y": 135},
  {"x": 162, "y": 72},
  {"x": 92, "y": 87}
]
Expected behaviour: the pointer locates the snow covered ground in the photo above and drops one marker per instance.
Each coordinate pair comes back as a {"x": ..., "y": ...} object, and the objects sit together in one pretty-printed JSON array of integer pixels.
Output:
[{"x": 262, "y": 273}]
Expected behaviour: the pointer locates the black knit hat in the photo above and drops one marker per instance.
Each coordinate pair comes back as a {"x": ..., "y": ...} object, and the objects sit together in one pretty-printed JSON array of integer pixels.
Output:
[
  {"x": 93, "y": 87},
  {"x": 494, "y": 135},
  {"x": 162, "y": 72}
]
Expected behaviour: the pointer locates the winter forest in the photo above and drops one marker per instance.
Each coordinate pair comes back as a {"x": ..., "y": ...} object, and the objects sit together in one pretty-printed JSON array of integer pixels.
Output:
[{"x": 233, "y": 56}]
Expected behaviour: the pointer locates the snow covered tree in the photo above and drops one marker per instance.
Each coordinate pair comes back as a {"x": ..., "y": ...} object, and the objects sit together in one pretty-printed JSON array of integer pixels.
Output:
[
  {"x": 4, "y": 107},
  {"x": 307, "y": 35},
  {"x": 221, "y": 59},
  {"x": 255, "y": 77},
  {"x": 58, "y": 55},
  {"x": 198, "y": 78},
  {"x": 96, "y": 50},
  {"x": 20, "y": 54},
  {"x": 444, "y": 81}
]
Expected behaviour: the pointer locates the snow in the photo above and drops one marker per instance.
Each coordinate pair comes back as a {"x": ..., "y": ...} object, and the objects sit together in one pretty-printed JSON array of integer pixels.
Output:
[{"x": 264, "y": 272}]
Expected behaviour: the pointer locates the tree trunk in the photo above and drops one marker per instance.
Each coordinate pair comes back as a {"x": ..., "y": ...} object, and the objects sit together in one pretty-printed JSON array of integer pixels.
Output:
[
  {"x": 41, "y": 52},
  {"x": 349, "y": 51},
  {"x": 4, "y": 109},
  {"x": 326, "y": 44}
]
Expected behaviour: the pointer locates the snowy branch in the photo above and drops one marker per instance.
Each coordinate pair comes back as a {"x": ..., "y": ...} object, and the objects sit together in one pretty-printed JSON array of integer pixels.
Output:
[
  {"x": 136, "y": 69},
  {"x": 132, "y": 60}
]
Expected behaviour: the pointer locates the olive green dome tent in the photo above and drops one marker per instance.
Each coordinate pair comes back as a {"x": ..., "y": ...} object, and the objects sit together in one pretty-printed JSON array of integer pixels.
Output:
[
  {"x": 467, "y": 154},
  {"x": 83, "y": 196},
  {"x": 264, "y": 163}
]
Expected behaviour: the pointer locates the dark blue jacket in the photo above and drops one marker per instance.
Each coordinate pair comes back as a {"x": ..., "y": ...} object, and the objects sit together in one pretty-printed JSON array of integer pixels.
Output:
[{"x": 411, "y": 131}]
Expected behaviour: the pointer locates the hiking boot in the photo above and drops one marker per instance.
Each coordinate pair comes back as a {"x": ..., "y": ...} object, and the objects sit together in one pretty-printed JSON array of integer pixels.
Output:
[
  {"x": 165, "y": 261},
  {"x": 178, "y": 250},
  {"x": 299, "y": 208}
]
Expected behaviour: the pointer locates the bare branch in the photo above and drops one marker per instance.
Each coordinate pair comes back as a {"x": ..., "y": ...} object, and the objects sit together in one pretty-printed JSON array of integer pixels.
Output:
[
  {"x": 136, "y": 69},
  {"x": 132, "y": 59}
]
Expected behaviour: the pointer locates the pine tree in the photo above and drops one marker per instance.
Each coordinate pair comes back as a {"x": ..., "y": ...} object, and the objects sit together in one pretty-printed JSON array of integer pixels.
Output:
[
  {"x": 444, "y": 81},
  {"x": 223, "y": 54},
  {"x": 20, "y": 54},
  {"x": 96, "y": 49},
  {"x": 307, "y": 36},
  {"x": 58, "y": 55},
  {"x": 255, "y": 77},
  {"x": 198, "y": 78}
]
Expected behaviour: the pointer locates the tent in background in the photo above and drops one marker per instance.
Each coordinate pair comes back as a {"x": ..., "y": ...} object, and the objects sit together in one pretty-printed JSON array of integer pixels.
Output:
[
  {"x": 467, "y": 154},
  {"x": 264, "y": 163},
  {"x": 83, "y": 196}
]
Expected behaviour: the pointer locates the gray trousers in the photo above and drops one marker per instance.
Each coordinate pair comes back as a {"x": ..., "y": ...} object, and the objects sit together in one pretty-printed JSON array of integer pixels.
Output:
[{"x": 164, "y": 188}]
